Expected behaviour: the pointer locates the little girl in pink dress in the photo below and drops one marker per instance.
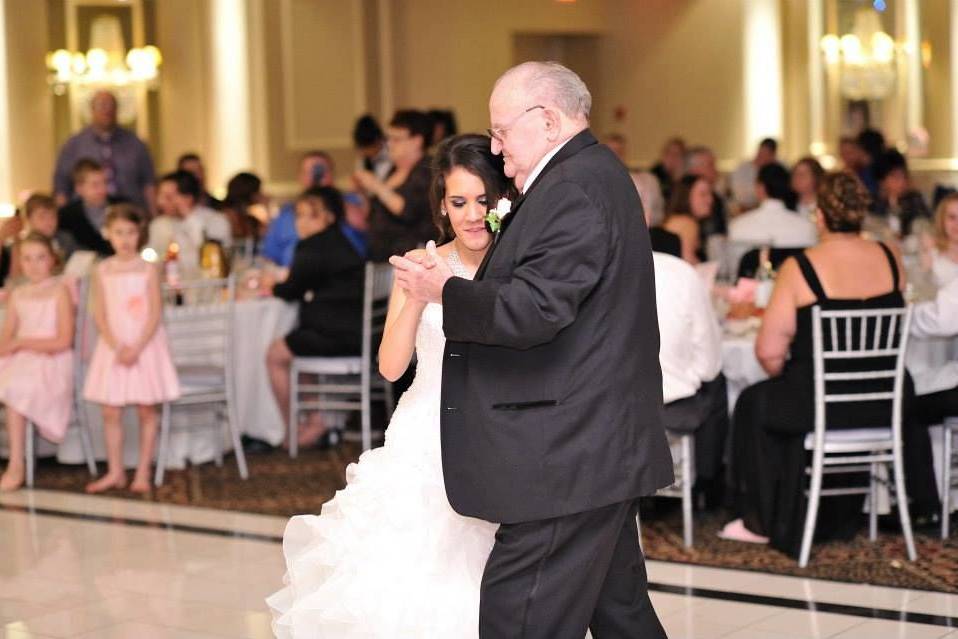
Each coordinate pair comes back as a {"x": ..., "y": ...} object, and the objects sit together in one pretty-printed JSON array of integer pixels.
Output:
[
  {"x": 36, "y": 360},
  {"x": 131, "y": 364}
]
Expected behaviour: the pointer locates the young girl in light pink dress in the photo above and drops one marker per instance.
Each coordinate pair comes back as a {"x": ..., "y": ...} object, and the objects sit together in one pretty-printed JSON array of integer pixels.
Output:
[
  {"x": 131, "y": 364},
  {"x": 36, "y": 359}
]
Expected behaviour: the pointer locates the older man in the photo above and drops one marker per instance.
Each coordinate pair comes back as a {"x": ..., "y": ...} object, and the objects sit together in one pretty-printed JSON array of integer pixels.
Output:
[
  {"x": 124, "y": 157},
  {"x": 551, "y": 386}
]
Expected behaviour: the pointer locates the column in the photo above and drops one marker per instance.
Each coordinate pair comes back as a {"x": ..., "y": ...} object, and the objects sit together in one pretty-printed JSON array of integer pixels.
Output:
[
  {"x": 231, "y": 139},
  {"x": 763, "y": 72}
]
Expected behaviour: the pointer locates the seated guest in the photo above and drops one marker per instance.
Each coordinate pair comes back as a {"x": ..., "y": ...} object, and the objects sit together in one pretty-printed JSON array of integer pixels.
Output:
[
  {"x": 772, "y": 223},
  {"x": 671, "y": 166},
  {"x": 400, "y": 218},
  {"x": 244, "y": 208},
  {"x": 165, "y": 226},
  {"x": 690, "y": 353},
  {"x": 807, "y": 174},
  {"x": 355, "y": 222},
  {"x": 191, "y": 162},
  {"x": 651, "y": 197},
  {"x": 40, "y": 212},
  {"x": 937, "y": 387},
  {"x": 701, "y": 162},
  {"x": 943, "y": 254},
  {"x": 742, "y": 180},
  {"x": 326, "y": 279},
  {"x": 771, "y": 418},
  {"x": 871, "y": 145},
  {"x": 370, "y": 143},
  {"x": 315, "y": 169},
  {"x": 191, "y": 224},
  {"x": 83, "y": 217},
  {"x": 898, "y": 204},
  {"x": 617, "y": 144},
  {"x": 691, "y": 203},
  {"x": 443, "y": 124}
]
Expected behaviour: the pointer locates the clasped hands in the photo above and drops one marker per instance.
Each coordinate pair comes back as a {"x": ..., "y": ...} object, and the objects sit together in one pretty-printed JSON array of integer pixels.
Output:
[{"x": 422, "y": 275}]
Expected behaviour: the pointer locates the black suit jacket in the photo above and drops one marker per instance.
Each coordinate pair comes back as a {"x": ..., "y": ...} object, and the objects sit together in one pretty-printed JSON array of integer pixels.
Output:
[
  {"x": 326, "y": 278},
  {"x": 72, "y": 219},
  {"x": 551, "y": 386}
]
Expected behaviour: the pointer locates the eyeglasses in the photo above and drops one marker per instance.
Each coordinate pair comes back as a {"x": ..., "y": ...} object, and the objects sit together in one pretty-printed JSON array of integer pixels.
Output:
[{"x": 499, "y": 134}]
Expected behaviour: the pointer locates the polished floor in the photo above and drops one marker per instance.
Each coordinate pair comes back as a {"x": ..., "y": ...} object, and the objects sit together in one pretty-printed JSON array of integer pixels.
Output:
[{"x": 96, "y": 567}]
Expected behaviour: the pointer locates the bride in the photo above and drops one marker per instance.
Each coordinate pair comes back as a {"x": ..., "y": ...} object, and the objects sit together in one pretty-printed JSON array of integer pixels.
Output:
[{"x": 388, "y": 557}]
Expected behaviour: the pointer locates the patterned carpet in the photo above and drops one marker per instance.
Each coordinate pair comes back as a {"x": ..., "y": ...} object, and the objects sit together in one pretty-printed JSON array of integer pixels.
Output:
[{"x": 280, "y": 486}]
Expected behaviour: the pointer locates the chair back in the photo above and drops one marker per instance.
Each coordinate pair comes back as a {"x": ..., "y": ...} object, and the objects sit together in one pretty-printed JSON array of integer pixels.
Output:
[
  {"x": 200, "y": 327},
  {"x": 84, "y": 331},
  {"x": 376, "y": 290},
  {"x": 852, "y": 346}
]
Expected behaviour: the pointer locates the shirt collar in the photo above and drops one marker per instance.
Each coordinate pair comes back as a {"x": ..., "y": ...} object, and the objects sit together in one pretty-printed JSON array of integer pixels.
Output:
[{"x": 542, "y": 164}]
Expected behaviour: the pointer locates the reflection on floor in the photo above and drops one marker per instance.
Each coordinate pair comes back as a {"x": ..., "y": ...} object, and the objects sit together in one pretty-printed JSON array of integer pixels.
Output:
[
  {"x": 77, "y": 566},
  {"x": 277, "y": 487}
]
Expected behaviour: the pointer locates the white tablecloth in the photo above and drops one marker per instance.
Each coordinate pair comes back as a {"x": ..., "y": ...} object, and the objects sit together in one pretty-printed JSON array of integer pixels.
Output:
[{"x": 257, "y": 323}]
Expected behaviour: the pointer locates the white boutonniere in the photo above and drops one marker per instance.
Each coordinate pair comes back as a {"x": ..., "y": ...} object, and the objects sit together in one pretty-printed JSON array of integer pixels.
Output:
[{"x": 496, "y": 215}]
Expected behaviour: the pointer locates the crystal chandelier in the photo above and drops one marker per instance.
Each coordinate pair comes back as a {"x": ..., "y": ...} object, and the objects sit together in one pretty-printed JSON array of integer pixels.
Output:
[
  {"x": 97, "y": 68},
  {"x": 866, "y": 58}
]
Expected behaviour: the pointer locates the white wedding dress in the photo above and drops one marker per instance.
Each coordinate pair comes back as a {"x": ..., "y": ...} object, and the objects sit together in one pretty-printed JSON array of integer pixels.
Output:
[{"x": 388, "y": 558}]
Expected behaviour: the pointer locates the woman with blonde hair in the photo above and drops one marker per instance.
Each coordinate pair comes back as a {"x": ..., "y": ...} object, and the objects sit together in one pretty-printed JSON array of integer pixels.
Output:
[{"x": 943, "y": 253}]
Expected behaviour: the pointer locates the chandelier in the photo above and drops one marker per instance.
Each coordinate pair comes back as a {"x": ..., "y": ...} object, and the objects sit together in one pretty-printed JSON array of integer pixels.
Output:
[
  {"x": 866, "y": 58},
  {"x": 97, "y": 68}
]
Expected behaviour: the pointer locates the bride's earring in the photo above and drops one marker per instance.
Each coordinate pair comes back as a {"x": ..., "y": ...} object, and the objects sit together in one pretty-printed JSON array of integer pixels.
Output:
[{"x": 442, "y": 211}]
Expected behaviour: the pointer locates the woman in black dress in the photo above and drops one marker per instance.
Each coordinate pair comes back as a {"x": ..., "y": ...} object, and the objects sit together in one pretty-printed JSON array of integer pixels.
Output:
[
  {"x": 400, "y": 218},
  {"x": 771, "y": 418},
  {"x": 326, "y": 279}
]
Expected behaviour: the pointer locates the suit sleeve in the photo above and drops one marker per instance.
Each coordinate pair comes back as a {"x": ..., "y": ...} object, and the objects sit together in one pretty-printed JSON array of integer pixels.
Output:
[{"x": 552, "y": 277}]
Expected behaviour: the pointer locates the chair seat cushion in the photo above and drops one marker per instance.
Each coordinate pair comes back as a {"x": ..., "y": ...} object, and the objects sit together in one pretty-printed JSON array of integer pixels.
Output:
[
  {"x": 850, "y": 436},
  {"x": 329, "y": 365},
  {"x": 201, "y": 375}
]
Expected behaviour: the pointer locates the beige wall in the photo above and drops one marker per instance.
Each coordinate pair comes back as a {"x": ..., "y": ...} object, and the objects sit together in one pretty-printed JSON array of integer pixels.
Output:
[
  {"x": 674, "y": 66},
  {"x": 30, "y": 101},
  {"x": 183, "y": 100},
  {"x": 677, "y": 67}
]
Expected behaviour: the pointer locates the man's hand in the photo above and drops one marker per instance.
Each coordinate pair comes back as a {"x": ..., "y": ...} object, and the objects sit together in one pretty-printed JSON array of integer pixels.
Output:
[{"x": 423, "y": 280}]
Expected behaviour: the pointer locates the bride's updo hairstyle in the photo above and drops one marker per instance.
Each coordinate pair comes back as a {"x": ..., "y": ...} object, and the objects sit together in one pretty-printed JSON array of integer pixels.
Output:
[
  {"x": 843, "y": 201},
  {"x": 471, "y": 152}
]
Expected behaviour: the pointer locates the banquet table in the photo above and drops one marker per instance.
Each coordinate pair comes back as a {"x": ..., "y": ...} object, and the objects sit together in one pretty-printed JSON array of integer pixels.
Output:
[{"x": 257, "y": 322}]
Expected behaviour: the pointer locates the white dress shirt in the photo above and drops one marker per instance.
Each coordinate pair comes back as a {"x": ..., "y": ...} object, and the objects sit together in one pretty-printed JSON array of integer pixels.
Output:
[
  {"x": 690, "y": 350},
  {"x": 944, "y": 269},
  {"x": 771, "y": 224},
  {"x": 541, "y": 165},
  {"x": 742, "y": 184},
  {"x": 203, "y": 223},
  {"x": 163, "y": 231},
  {"x": 936, "y": 318}
]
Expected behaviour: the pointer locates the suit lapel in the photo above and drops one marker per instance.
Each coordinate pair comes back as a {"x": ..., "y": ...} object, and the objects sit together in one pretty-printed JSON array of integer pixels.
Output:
[{"x": 575, "y": 144}]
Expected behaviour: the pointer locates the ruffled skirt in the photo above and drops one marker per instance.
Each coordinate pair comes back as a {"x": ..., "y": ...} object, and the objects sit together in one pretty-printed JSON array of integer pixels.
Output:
[{"x": 387, "y": 558}]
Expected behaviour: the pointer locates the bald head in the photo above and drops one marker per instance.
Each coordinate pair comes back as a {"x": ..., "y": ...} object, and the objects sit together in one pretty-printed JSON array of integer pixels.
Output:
[
  {"x": 549, "y": 84},
  {"x": 535, "y": 107}
]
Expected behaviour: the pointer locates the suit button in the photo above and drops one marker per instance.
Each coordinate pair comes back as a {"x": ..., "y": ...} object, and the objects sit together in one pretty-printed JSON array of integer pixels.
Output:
[
  {"x": 451, "y": 409},
  {"x": 451, "y": 355}
]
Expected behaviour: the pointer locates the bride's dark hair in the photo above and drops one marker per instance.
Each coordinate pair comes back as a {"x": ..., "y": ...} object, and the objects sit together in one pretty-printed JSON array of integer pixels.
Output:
[{"x": 471, "y": 152}]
